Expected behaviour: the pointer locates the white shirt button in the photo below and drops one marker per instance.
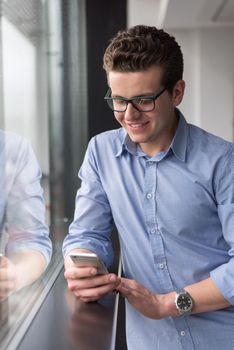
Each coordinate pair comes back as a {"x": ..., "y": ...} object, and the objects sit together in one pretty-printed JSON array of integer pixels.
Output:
[
  {"x": 162, "y": 265},
  {"x": 149, "y": 195},
  {"x": 152, "y": 230},
  {"x": 182, "y": 333}
]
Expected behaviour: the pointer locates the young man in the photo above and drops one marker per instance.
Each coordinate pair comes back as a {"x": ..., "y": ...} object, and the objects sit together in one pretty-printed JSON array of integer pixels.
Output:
[{"x": 168, "y": 186}]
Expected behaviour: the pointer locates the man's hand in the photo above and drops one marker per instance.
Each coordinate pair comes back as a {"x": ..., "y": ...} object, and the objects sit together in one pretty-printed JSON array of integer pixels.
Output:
[
  {"x": 8, "y": 277},
  {"x": 152, "y": 305},
  {"x": 85, "y": 283},
  {"x": 19, "y": 270},
  {"x": 157, "y": 306}
]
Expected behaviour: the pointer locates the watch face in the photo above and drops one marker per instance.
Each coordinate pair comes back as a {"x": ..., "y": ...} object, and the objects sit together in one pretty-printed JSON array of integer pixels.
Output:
[{"x": 184, "y": 302}]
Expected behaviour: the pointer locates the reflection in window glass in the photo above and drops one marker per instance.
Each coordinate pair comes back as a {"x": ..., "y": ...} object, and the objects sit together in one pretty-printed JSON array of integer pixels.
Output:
[
  {"x": 24, "y": 92},
  {"x": 43, "y": 104},
  {"x": 24, "y": 244}
]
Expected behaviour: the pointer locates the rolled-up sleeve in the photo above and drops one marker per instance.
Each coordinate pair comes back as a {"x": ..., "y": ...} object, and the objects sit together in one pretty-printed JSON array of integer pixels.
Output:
[
  {"x": 223, "y": 275},
  {"x": 93, "y": 220}
]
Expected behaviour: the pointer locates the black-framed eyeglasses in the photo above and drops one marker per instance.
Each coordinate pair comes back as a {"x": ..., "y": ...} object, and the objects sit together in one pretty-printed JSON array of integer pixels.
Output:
[{"x": 140, "y": 103}]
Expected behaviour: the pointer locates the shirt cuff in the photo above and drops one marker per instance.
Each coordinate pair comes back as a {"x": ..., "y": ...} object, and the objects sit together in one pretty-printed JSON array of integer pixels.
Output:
[{"x": 223, "y": 277}]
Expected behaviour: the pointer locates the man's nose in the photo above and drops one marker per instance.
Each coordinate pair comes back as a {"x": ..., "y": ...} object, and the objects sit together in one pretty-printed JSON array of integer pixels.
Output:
[{"x": 131, "y": 113}]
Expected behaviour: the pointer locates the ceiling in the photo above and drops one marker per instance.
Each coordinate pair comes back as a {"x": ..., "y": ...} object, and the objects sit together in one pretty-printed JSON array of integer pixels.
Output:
[
  {"x": 26, "y": 15},
  {"x": 199, "y": 13},
  {"x": 181, "y": 13}
]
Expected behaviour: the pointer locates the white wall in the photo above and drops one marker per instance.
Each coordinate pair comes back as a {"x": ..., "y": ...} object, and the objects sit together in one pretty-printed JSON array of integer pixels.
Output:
[
  {"x": 209, "y": 75},
  {"x": 217, "y": 72},
  {"x": 150, "y": 12}
]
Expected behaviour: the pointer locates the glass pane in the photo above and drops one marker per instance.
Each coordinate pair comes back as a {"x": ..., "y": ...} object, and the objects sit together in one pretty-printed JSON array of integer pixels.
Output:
[
  {"x": 25, "y": 168},
  {"x": 43, "y": 117}
]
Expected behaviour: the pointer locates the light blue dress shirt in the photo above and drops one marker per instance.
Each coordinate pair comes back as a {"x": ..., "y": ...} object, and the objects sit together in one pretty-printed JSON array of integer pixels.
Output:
[
  {"x": 22, "y": 208},
  {"x": 175, "y": 217}
]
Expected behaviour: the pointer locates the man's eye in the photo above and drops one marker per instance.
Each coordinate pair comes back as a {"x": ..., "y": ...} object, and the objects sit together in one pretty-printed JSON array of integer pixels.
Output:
[
  {"x": 119, "y": 102},
  {"x": 143, "y": 101}
]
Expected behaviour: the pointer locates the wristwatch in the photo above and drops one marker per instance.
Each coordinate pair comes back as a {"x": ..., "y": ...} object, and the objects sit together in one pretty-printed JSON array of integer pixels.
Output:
[{"x": 183, "y": 302}]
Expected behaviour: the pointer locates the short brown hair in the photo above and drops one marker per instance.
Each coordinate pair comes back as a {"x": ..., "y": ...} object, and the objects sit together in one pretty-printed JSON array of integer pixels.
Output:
[{"x": 141, "y": 47}]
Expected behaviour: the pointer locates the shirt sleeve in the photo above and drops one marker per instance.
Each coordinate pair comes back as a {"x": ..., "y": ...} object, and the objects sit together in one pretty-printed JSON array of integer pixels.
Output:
[
  {"x": 93, "y": 222},
  {"x": 223, "y": 275},
  {"x": 25, "y": 207}
]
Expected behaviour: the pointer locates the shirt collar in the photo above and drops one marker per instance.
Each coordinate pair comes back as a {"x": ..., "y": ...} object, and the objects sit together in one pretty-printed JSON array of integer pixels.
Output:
[
  {"x": 180, "y": 140},
  {"x": 126, "y": 144},
  {"x": 178, "y": 144}
]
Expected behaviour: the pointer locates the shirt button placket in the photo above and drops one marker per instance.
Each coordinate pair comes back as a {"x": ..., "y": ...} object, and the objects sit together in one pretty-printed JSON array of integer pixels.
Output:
[{"x": 151, "y": 178}]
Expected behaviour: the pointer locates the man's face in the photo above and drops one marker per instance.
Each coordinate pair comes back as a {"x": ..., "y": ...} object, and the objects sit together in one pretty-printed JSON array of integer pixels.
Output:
[{"x": 153, "y": 130}]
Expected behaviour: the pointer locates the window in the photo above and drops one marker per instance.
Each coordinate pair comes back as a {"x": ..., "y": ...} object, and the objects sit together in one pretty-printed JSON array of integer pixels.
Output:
[{"x": 43, "y": 105}]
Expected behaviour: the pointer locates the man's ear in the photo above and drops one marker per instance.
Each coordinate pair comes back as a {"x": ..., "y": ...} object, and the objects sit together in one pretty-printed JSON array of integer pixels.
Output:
[{"x": 178, "y": 92}]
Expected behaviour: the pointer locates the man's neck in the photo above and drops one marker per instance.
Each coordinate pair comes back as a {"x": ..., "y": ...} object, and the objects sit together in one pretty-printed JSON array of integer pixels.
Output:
[{"x": 161, "y": 145}]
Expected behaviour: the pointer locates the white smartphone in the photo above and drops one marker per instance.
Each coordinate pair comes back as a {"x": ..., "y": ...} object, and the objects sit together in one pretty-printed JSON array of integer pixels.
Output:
[{"x": 89, "y": 259}]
